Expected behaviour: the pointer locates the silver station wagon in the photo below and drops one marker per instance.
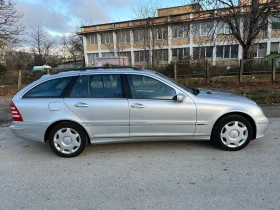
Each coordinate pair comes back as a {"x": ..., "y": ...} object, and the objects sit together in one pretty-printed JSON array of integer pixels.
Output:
[{"x": 70, "y": 109}]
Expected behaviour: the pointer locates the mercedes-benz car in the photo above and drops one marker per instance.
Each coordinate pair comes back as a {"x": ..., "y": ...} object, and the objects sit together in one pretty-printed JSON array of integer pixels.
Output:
[{"x": 71, "y": 109}]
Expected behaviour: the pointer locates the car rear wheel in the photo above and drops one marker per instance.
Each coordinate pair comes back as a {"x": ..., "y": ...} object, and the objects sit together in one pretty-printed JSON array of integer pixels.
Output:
[
  {"x": 67, "y": 139},
  {"x": 232, "y": 132}
]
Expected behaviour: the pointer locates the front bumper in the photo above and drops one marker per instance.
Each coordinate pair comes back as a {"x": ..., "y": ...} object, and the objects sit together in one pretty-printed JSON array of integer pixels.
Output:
[{"x": 261, "y": 125}]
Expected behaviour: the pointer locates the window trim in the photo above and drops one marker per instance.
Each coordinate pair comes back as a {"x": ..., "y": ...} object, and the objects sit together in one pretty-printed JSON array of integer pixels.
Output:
[
  {"x": 224, "y": 28},
  {"x": 111, "y": 54},
  {"x": 142, "y": 35},
  {"x": 200, "y": 30},
  {"x": 175, "y": 31},
  {"x": 90, "y": 38},
  {"x": 230, "y": 51},
  {"x": 204, "y": 52},
  {"x": 144, "y": 56},
  {"x": 256, "y": 53},
  {"x": 105, "y": 39},
  {"x": 275, "y": 17},
  {"x": 186, "y": 53},
  {"x": 163, "y": 31},
  {"x": 160, "y": 54},
  {"x": 123, "y": 34}
]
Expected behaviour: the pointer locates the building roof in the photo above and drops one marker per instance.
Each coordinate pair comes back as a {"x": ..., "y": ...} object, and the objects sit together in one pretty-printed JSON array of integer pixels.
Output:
[{"x": 179, "y": 10}]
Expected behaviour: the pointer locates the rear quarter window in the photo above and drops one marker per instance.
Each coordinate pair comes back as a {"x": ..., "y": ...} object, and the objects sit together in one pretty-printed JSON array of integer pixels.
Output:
[{"x": 49, "y": 89}]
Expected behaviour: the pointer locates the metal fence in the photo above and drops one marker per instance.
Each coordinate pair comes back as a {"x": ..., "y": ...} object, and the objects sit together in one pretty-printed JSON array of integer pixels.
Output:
[
  {"x": 256, "y": 66},
  {"x": 201, "y": 69},
  {"x": 225, "y": 68}
]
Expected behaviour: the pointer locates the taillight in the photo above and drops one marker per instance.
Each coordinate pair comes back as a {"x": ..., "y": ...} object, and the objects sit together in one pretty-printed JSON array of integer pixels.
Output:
[{"x": 15, "y": 113}]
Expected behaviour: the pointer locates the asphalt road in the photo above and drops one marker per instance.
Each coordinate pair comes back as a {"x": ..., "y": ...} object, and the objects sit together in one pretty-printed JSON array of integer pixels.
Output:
[{"x": 156, "y": 175}]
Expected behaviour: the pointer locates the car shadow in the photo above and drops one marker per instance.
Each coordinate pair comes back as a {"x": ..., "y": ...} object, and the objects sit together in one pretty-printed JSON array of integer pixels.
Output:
[{"x": 155, "y": 146}]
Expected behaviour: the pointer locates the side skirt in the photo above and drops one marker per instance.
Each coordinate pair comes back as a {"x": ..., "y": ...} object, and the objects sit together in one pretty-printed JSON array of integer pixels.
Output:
[{"x": 145, "y": 139}]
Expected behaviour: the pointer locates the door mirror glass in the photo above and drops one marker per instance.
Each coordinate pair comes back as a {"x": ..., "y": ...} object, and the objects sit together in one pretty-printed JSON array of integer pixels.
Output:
[{"x": 181, "y": 97}]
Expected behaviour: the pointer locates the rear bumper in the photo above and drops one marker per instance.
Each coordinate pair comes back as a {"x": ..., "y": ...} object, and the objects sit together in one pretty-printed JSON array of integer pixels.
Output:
[
  {"x": 261, "y": 125},
  {"x": 34, "y": 132}
]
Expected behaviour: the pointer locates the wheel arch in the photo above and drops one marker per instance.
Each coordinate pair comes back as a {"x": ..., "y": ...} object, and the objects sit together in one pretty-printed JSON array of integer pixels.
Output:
[
  {"x": 57, "y": 122},
  {"x": 246, "y": 116}
]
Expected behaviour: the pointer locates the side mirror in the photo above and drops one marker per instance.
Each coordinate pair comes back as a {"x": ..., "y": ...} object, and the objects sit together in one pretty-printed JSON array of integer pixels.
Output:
[{"x": 181, "y": 97}]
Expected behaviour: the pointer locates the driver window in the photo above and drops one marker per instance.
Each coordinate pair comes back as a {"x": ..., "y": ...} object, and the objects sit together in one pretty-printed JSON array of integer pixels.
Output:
[{"x": 143, "y": 87}]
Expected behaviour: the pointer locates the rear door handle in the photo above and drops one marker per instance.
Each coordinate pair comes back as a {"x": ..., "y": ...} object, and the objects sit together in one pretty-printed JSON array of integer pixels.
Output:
[
  {"x": 80, "y": 104},
  {"x": 141, "y": 106}
]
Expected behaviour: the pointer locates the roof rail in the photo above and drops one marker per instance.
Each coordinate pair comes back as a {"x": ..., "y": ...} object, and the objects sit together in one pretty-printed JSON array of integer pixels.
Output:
[{"x": 96, "y": 68}]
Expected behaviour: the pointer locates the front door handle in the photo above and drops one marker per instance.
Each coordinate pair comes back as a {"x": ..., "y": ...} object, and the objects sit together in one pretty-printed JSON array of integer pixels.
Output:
[
  {"x": 141, "y": 106},
  {"x": 80, "y": 104}
]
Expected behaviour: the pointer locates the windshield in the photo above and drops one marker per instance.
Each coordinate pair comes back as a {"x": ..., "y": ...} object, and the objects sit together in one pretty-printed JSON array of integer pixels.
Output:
[{"x": 191, "y": 90}]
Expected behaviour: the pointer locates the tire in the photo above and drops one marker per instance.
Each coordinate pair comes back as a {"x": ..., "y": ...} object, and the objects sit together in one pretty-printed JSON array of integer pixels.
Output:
[
  {"x": 67, "y": 139},
  {"x": 232, "y": 132}
]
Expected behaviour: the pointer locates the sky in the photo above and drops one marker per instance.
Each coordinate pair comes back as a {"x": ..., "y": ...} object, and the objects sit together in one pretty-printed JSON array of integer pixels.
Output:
[{"x": 58, "y": 16}]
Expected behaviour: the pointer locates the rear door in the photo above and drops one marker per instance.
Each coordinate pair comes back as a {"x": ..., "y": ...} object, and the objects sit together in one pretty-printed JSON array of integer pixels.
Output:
[
  {"x": 100, "y": 101},
  {"x": 154, "y": 110}
]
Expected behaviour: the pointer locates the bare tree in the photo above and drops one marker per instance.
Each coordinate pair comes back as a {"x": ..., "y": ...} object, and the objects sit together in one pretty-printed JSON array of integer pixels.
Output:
[
  {"x": 145, "y": 11},
  {"x": 40, "y": 43},
  {"x": 10, "y": 29},
  {"x": 19, "y": 58},
  {"x": 73, "y": 43},
  {"x": 245, "y": 18},
  {"x": 146, "y": 8}
]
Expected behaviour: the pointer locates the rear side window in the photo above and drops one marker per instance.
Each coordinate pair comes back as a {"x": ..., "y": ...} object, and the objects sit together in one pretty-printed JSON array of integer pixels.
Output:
[
  {"x": 49, "y": 89},
  {"x": 106, "y": 86}
]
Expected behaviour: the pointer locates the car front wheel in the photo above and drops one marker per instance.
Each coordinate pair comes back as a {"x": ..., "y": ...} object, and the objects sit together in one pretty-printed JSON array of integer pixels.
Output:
[
  {"x": 67, "y": 139},
  {"x": 232, "y": 132}
]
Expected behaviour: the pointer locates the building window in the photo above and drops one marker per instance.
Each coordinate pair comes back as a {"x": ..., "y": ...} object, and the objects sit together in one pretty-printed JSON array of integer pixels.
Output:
[
  {"x": 179, "y": 54},
  {"x": 107, "y": 55},
  {"x": 260, "y": 50},
  {"x": 275, "y": 22},
  {"x": 91, "y": 57},
  {"x": 274, "y": 47},
  {"x": 107, "y": 38},
  {"x": 160, "y": 33},
  {"x": 202, "y": 52},
  {"x": 92, "y": 39},
  {"x": 204, "y": 29},
  {"x": 180, "y": 31},
  {"x": 123, "y": 36},
  {"x": 126, "y": 54},
  {"x": 141, "y": 35},
  {"x": 223, "y": 28},
  {"x": 160, "y": 55},
  {"x": 141, "y": 56},
  {"x": 227, "y": 51}
]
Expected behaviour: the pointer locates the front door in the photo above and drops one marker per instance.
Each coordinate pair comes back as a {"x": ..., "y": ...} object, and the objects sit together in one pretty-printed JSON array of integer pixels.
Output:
[
  {"x": 154, "y": 110},
  {"x": 100, "y": 101}
]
